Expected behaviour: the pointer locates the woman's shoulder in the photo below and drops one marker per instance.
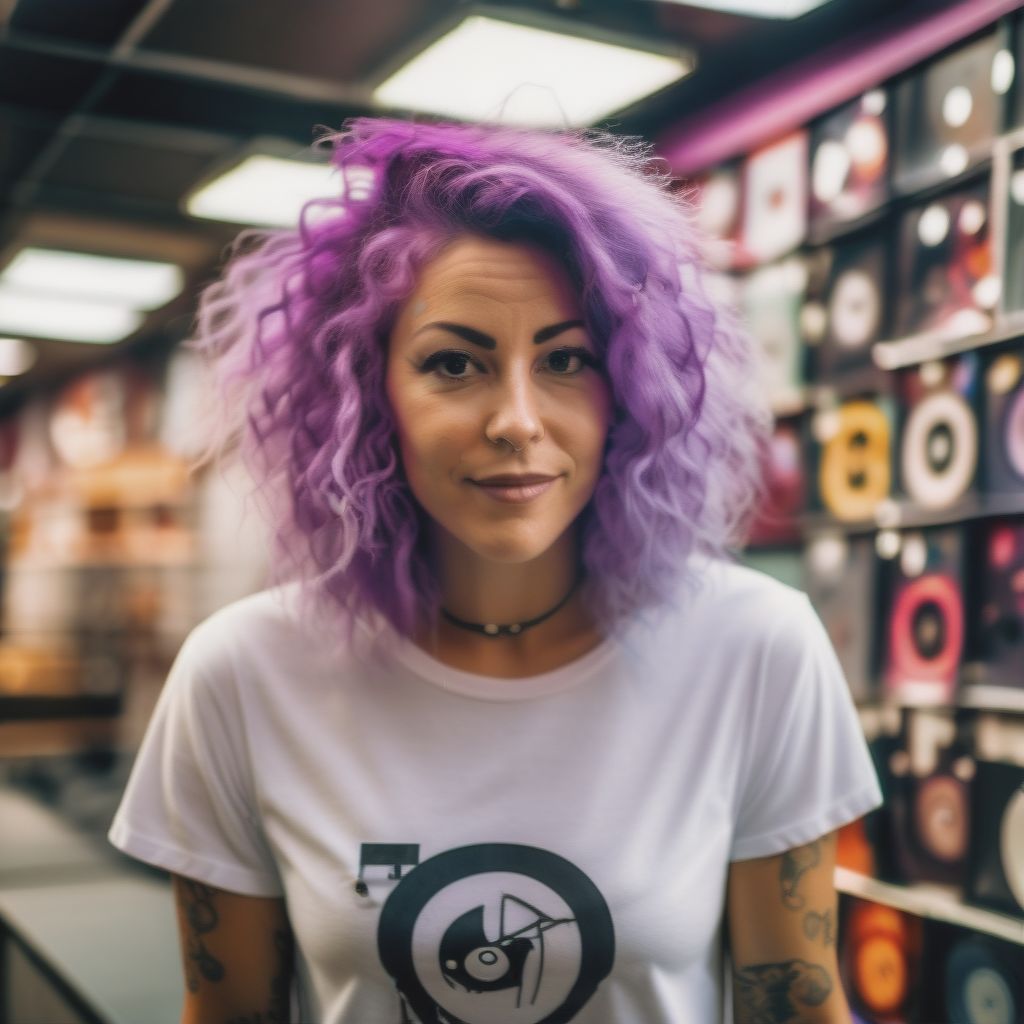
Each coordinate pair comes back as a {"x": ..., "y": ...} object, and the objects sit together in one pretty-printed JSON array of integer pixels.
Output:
[
  {"x": 729, "y": 590},
  {"x": 250, "y": 627}
]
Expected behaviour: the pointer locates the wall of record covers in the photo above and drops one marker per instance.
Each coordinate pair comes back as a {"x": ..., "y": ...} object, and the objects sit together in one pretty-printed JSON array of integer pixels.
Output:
[{"x": 878, "y": 256}]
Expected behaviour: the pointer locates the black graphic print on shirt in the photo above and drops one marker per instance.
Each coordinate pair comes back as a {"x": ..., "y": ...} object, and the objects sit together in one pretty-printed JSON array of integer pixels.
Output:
[{"x": 491, "y": 932}]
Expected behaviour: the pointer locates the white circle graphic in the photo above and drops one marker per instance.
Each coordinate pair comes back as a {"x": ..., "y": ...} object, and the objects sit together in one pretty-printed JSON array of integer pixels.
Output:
[
  {"x": 529, "y": 937},
  {"x": 938, "y": 467}
]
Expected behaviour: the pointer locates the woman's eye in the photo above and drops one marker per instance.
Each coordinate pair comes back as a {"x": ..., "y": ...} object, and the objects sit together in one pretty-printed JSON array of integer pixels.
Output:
[{"x": 561, "y": 362}]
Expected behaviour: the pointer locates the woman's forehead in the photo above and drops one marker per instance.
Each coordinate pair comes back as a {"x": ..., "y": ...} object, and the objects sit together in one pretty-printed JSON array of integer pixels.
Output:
[{"x": 472, "y": 269}]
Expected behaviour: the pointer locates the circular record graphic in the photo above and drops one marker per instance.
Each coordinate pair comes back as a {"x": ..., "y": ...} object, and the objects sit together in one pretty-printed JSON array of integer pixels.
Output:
[
  {"x": 854, "y": 309},
  {"x": 927, "y": 629},
  {"x": 880, "y": 971},
  {"x": 940, "y": 450},
  {"x": 982, "y": 986},
  {"x": 496, "y": 932},
  {"x": 854, "y": 475},
  {"x": 941, "y": 817}
]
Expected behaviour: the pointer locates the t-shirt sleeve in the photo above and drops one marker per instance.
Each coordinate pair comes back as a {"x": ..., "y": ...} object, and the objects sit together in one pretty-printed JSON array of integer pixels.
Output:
[
  {"x": 807, "y": 769},
  {"x": 189, "y": 806}
]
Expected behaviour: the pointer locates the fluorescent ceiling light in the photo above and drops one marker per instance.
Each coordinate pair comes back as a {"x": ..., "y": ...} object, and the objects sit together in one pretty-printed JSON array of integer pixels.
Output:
[
  {"x": 758, "y": 8},
  {"x": 48, "y": 316},
  {"x": 264, "y": 190},
  {"x": 140, "y": 284},
  {"x": 16, "y": 356},
  {"x": 486, "y": 69}
]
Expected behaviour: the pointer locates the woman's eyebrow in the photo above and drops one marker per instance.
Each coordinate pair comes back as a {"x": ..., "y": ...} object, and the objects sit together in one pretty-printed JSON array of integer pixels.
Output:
[{"x": 476, "y": 337}]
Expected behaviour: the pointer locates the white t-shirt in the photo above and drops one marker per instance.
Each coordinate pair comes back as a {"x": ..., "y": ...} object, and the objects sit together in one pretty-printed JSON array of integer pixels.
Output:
[{"x": 552, "y": 848}]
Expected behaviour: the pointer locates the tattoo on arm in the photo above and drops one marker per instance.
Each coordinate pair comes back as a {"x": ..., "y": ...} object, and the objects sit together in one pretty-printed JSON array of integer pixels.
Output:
[
  {"x": 197, "y": 903},
  {"x": 820, "y": 924},
  {"x": 795, "y": 864},
  {"x": 280, "y": 984},
  {"x": 776, "y": 993}
]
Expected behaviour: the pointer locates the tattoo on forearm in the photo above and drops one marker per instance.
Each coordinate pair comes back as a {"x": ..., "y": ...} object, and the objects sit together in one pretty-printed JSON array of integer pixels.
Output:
[
  {"x": 795, "y": 864},
  {"x": 820, "y": 924},
  {"x": 776, "y": 993},
  {"x": 197, "y": 903},
  {"x": 280, "y": 984}
]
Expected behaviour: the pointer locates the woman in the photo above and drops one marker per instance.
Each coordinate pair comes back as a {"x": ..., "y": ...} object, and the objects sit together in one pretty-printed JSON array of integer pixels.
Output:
[{"x": 513, "y": 740}]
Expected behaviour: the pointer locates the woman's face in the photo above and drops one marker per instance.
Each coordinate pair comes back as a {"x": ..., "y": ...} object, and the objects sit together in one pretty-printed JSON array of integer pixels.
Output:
[{"x": 490, "y": 345}]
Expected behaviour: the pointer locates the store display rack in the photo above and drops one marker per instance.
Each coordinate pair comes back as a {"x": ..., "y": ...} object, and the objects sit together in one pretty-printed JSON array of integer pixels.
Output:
[{"x": 936, "y": 902}]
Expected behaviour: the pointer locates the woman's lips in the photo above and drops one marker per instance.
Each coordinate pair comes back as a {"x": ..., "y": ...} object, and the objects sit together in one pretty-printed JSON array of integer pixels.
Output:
[{"x": 514, "y": 495}]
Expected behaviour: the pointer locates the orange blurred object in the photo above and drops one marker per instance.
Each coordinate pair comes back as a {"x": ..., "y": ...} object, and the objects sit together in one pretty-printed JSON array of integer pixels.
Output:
[
  {"x": 880, "y": 956},
  {"x": 853, "y": 851}
]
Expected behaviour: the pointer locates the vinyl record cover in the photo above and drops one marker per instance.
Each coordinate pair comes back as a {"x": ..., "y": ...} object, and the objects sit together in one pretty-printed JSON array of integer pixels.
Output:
[
  {"x": 1001, "y": 594},
  {"x": 939, "y": 447},
  {"x": 880, "y": 961},
  {"x": 945, "y": 277},
  {"x": 926, "y": 616},
  {"x": 995, "y": 874},
  {"x": 853, "y": 457},
  {"x": 849, "y": 313},
  {"x": 949, "y": 111},
  {"x": 775, "y": 198},
  {"x": 850, "y": 160},
  {"x": 1003, "y": 397}
]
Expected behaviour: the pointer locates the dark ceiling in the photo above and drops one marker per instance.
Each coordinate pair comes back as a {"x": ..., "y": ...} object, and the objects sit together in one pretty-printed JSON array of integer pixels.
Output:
[{"x": 112, "y": 110}]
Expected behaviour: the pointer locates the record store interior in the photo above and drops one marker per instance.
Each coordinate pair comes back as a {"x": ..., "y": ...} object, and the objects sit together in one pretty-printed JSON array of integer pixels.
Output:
[{"x": 856, "y": 168}]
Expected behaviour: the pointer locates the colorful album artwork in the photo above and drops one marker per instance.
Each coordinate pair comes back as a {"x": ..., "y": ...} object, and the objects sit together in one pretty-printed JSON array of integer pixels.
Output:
[
  {"x": 995, "y": 877},
  {"x": 948, "y": 113},
  {"x": 840, "y": 578},
  {"x": 984, "y": 980},
  {"x": 939, "y": 436},
  {"x": 1004, "y": 423},
  {"x": 775, "y": 198},
  {"x": 930, "y": 808},
  {"x": 850, "y": 160},
  {"x": 1001, "y": 594},
  {"x": 946, "y": 281},
  {"x": 854, "y": 457},
  {"x": 972, "y": 977},
  {"x": 771, "y": 298},
  {"x": 845, "y": 312},
  {"x": 777, "y": 517},
  {"x": 880, "y": 960},
  {"x": 926, "y": 620}
]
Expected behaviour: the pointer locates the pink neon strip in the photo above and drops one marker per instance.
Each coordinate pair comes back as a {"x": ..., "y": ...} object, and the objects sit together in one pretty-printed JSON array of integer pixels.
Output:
[{"x": 798, "y": 94}]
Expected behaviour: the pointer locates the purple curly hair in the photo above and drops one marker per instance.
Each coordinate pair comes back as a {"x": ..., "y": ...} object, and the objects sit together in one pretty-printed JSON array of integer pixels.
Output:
[{"x": 296, "y": 330}]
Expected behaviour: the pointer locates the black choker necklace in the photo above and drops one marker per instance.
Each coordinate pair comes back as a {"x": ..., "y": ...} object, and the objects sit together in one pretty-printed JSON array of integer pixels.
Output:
[{"x": 492, "y": 629}]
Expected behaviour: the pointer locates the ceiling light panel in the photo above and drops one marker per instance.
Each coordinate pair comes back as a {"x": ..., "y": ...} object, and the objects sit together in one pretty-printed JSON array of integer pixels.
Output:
[
  {"x": 757, "y": 8},
  {"x": 48, "y": 316},
  {"x": 265, "y": 191},
  {"x": 139, "y": 284},
  {"x": 493, "y": 70}
]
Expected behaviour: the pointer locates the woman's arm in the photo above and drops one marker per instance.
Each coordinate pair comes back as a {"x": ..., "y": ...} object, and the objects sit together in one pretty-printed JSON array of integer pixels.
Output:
[
  {"x": 782, "y": 923},
  {"x": 237, "y": 952}
]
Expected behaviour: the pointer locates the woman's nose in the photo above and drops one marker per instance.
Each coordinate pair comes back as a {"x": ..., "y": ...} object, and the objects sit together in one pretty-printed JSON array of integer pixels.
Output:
[{"x": 515, "y": 414}]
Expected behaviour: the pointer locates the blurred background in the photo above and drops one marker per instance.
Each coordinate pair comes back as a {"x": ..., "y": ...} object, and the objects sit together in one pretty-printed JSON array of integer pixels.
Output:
[{"x": 858, "y": 167}]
